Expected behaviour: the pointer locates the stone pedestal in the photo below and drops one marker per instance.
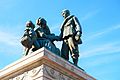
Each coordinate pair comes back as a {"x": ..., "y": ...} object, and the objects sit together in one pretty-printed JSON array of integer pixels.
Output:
[{"x": 43, "y": 65}]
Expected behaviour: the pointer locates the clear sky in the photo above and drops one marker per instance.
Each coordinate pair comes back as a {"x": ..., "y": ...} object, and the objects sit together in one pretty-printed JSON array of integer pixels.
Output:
[{"x": 100, "y": 21}]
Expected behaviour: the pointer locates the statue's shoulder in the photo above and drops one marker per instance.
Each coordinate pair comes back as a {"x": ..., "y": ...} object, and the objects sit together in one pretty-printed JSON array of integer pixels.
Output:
[{"x": 38, "y": 29}]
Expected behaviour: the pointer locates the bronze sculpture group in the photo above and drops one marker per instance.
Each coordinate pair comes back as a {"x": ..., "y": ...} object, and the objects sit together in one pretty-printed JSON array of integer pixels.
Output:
[{"x": 70, "y": 35}]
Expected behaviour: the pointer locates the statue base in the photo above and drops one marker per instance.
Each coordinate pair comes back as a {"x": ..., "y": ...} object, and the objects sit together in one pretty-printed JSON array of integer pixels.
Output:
[{"x": 43, "y": 65}]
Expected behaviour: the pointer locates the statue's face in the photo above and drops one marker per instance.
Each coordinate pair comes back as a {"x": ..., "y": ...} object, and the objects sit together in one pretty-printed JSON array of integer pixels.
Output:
[
  {"x": 29, "y": 24},
  {"x": 65, "y": 13},
  {"x": 38, "y": 22},
  {"x": 41, "y": 22}
]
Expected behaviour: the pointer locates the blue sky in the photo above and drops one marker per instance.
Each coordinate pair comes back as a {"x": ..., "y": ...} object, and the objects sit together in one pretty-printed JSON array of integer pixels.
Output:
[{"x": 100, "y": 21}]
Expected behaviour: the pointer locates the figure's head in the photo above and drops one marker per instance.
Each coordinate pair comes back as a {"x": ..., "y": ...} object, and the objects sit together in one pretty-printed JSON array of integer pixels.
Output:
[
  {"x": 65, "y": 13},
  {"x": 41, "y": 22},
  {"x": 29, "y": 24}
]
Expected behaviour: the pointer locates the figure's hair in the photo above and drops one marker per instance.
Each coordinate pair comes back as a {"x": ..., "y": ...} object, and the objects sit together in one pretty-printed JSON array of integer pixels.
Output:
[
  {"x": 41, "y": 21},
  {"x": 66, "y": 11},
  {"x": 30, "y": 24}
]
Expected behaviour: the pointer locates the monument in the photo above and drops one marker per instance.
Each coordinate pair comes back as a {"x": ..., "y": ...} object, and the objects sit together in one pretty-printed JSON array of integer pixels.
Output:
[{"x": 42, "y": 59}]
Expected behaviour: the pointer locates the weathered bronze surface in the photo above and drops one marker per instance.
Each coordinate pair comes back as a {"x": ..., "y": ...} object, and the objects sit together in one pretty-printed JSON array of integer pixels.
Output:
[{"x": 71, "y": 32}]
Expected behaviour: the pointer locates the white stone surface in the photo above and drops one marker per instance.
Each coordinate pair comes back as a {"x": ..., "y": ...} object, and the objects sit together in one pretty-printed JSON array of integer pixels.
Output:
[{"x": 43, "y": 65}]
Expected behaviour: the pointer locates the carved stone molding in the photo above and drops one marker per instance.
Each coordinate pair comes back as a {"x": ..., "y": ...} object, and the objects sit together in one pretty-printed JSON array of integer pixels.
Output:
[
  {"x": 29, "y": 75},
  {"x": 56, "y": 75}
]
